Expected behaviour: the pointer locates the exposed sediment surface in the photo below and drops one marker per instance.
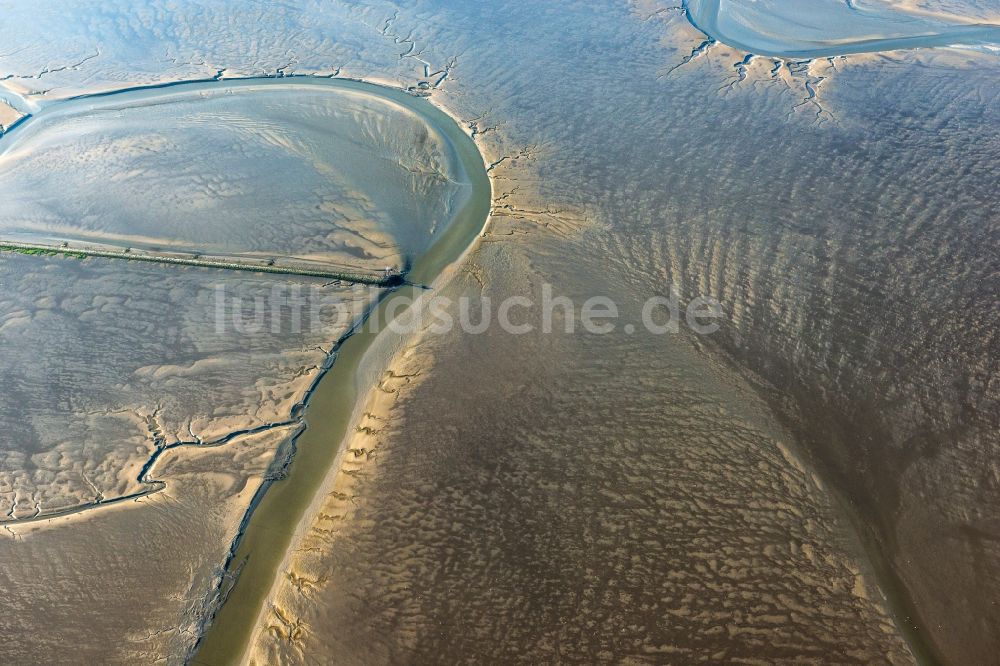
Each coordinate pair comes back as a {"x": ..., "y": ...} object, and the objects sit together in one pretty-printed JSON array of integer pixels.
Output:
[
  {"x": 251, "y": 168},
  {"x": 334, "y": 406},
  {"x": 129, "y": 584},
  {"x": 598, "y": 499},
  {"x": 786, "y": 28},
  {"x": 8, "y": 116},
  {"x": 842, "y": 213},
  {"x": 116, "y": 374},
  {"x": 618, "y": 498}
]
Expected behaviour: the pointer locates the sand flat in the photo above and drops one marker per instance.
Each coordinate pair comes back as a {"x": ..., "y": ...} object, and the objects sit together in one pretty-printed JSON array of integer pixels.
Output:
[
  {"x": 261, "y": 169},
  {"x": 843, "y": 211},
  {"x": 784, "y": 28}
]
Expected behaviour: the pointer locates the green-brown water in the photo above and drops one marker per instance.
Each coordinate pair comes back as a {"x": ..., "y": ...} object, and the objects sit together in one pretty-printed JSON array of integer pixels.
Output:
[{"x": 269, "y": 532}]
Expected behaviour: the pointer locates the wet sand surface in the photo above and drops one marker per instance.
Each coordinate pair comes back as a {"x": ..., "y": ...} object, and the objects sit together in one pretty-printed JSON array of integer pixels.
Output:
[
  {"x": 128, "y": 368},
  {"x": 749, "y": 495},
  {"x": 253, "y": 168},
  {"x": 834, "y": 27},
  {"x": 358, "y": 360},
  {"x": 128, "y": 584},
  {"x": 810, "y": 199},
  {"x": 572, "y": 498},
  {"x": 117, "y": 370}
]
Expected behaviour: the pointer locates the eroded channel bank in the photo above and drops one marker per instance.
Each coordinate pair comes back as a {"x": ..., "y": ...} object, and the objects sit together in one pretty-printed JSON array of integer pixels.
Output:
[
  {"x": 849, "y": 30},
  {"x": 329, "y": 404},
  {"x": 270, "y": 523},
  {"x": 384, "y": 279},
  {"x": 51, "y": 114}
]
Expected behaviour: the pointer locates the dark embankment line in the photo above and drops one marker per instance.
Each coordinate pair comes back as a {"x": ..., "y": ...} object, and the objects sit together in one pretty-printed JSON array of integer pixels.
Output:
[
  {"x": 359, "y": 277},
  {"x": 151, "y": 485},
  {"x": 325, "y": 413},
  {"x": 706, "y": 20},
  {"x": 267, "y": 530}
]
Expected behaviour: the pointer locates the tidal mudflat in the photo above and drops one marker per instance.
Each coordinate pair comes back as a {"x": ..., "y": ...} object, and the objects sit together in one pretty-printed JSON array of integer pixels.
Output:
[
  {"x": 8, "y": 116},
  {"x": 241, "y": 169},
  {"x": 810, "y": 199},
  {"x": 152, "y": 192},
  {"x": 151, "y": 370},
  {"x": 360, "y": 365},
  {"x": 784, "y": 28},
  {"x": 815, "y": 482}
]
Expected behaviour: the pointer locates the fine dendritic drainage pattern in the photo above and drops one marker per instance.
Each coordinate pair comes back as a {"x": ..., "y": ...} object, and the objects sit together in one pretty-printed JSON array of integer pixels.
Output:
[
  {"x": 404, "y": 186},
  {"x": 274, "y": 175},
  {"x": 776, "y": 41},
  {"x": 780, "y": 28},
  {"x": 264, "y": 538},
  {"x": 309, "y": 183},
  {"x": 855, "y": 262}
]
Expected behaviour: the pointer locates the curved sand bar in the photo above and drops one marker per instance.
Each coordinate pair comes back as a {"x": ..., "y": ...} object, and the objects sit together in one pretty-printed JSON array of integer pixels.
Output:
[
  {"x": 337, "y": 176},
  {"x": 780, "y": 28},
  {"x": 268, "y": 530},
  {"x": 295, "y": 169},
  {"x": 452, "y": 163}
]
